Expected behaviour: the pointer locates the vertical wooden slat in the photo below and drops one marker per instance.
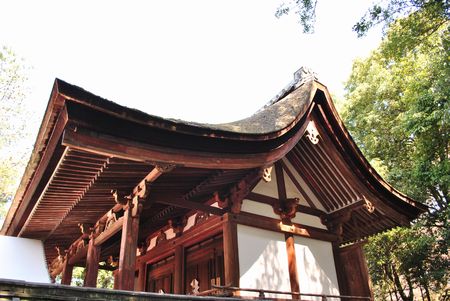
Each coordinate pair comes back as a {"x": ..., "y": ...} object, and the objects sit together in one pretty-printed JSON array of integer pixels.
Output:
[
  {"x": 178, "y": 272},
  {"x": 292, "y": 262},
  {"x": 230, "y": 250},
  {"x": 128, "y": 247},
  {"x": 92, "y": 260}
]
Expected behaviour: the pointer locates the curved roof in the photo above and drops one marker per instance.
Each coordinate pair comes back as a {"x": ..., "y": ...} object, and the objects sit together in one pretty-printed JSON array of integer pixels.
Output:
[{"x": 79, "y": 120}]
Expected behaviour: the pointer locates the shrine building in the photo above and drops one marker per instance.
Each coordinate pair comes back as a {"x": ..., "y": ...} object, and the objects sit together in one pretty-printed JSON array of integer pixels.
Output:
[{"x": 279, "y": 202}]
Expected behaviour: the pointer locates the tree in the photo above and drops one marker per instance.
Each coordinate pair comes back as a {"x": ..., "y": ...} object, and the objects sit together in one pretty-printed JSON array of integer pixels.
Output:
[
  {"x": 398, "y": 111},
  {"x": 424, "y": 18},
  {"x": 14, "y": 125}
]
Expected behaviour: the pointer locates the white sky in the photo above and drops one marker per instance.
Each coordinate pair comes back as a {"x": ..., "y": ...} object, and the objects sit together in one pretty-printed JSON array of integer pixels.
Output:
[{"x": 207, "y": 61}]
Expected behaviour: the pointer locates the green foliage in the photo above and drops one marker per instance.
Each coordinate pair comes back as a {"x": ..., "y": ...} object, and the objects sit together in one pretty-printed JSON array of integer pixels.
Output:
[
  {"x": 14, "y": 125},
  {"x": 305, "y": 9},
  {"x": 105, "y": 279},
  {"x": 398, "y": 112}
]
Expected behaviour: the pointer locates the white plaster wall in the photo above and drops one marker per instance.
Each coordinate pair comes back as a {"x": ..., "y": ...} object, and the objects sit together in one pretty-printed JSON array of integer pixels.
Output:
[
  {"x": 259, "y": 209},
  {"x": 309, "y": 220},
  {"x": 263, "y": 262},
  {"x": 268, "y": 188},
  {"x": 315, "y": 267},
  {"x": 23, "y": 259}
]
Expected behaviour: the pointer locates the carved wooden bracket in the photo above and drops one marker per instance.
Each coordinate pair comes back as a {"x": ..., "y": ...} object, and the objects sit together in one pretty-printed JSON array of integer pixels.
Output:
[
  {"x": 177, "y": 224},
  {"x": 335, "y": 222},
  {"x": 201, "y": 217},
  {"x": 286, "y": 209},
  {"x": 136, "y": 206},
  {"x": 120, "y": 197},
  {"x": 143, "y": 248},
  {"x": 161, "y": 236},
  {"x": 237, "y": 193}
]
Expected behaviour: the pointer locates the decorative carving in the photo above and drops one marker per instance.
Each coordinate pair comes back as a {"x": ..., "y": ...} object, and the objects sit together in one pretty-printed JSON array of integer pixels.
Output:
[
  {"x": 57, "y": 264},
  {"x": 163, "y": 167},
  {"x": 120, "y": 197},
  {"x": 85, "y": 232},
  {"x": 111, "y": 219},
  {"x": 161, "y": 237},
  {"x": 142, "y": 189},
  {"x": 201, "y": 217},
  {"x": 113, "y": 261},
  {"x": 195, "y": 286},
  {"x": 369, "y": 206},
  {"x": 143, "y": 248},
  {"x": 177, "y": 224},
  {"x": 238, "y": 192},
  {"x": 286, "y": 209},
  {"x": 267, "y": 174},
  {"x": 136, "y": 206},
  {"x": 312, "y": 132}
]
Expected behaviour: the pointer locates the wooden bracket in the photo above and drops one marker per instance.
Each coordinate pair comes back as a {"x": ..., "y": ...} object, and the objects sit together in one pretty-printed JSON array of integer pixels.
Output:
[
  {"x": 238, "y": 192},
  {"x": 177, "y": 224},
  {"x": 286, "y": 209},
  {"x": 120, "y": 197}
]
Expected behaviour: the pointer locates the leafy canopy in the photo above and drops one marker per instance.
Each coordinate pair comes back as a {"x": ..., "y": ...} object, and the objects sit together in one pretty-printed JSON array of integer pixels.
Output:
[
  {"x": 14, "y": 125},
  {"x": 398, "y": 112}
]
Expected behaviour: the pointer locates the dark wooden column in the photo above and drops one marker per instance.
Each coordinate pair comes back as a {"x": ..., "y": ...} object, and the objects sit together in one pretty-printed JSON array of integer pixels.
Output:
[
  {"x": 292, "y": 262},
  {"x": 92, "y": 261},
  {"x": 141, "y": 277},
  {"x": 353, "y": 268},
  {"x": 128, "y": 246},
  {"x": 67, "y": 272},
  {"x": 178, "y": 281},
  {"x": 230, "y": 250}
]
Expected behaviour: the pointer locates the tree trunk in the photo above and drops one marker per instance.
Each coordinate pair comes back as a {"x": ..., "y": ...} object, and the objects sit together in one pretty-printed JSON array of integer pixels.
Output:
[{"x": 400, "y": 288}]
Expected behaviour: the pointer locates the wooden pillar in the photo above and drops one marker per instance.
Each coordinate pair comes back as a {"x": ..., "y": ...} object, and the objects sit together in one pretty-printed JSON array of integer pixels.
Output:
[
  {"x": 128, "y": 247},
  {"x": 92, "y": 261},
  {"x": 116, "y": 279},
  {"x": 141, "y": 277},
  {"x": 292, "y": 263},
  {"x": 353, "y": 268},
  {"x": 178, "y": 280},
  {"x": 230, "y": 251},
  {"x": 67, "y": 272}
]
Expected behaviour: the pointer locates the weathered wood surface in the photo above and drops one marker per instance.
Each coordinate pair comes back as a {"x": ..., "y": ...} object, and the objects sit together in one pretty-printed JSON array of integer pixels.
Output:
[{"x": 21, "y": 290}]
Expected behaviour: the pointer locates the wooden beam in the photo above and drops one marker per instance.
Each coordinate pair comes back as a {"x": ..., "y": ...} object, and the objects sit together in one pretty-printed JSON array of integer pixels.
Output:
[
  {"x": 292, "y": 262},
  {"x": 281, "y": 187},
  {"x": 192, "y": 205},
  {"x": 108, "y": 233},
  {"x": 230, "y": 251},
  {"x": 267, "y": 223},
  {"x": 297, "y": 185},
  {"x": 92, "y": 260}
]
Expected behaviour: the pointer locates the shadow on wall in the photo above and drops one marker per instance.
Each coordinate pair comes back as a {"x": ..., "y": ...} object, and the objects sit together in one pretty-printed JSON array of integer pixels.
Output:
[
  {"x": 315, "y": 265},
  {"x": 262, "y": 260}
]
